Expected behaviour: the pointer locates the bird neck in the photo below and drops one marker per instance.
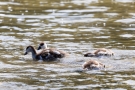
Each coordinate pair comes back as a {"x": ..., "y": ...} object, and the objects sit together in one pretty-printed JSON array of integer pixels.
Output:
[{"x": 33, "y": 51}]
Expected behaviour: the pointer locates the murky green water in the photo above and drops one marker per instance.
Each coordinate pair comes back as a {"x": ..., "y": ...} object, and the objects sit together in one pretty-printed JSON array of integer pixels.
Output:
[{"x": 76, "y": 26}]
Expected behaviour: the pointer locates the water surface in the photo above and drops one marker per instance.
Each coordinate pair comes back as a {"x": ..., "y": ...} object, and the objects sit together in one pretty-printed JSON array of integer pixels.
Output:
[{"x": 75, "y": 26}]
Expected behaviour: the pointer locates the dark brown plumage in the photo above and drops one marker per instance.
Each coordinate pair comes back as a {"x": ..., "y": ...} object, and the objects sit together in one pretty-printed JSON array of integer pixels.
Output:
[
  {"x": 45, "y": 54},
  {"x": 52, "y": 51}
]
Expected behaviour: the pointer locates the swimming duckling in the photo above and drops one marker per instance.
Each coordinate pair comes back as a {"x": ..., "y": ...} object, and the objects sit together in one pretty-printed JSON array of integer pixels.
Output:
[
  {"x": 45, "y": 54},
  {"x": 42, "y": 45},
  {"x": 92, "y": 64},
  {"x": 53, "y": 51},
  {"x": 35, "y": 55},
  {"x": 99, "y": 52}
]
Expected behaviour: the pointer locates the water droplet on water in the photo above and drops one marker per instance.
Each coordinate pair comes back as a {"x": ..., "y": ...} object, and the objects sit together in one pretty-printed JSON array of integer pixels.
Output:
[
  {"x": 96, "y": 24},
  {"x": 104, "y": 24},
  {"x": 10, "y": 29},
  {"x": 26, "y": 10},
  {"x": 10, "y": 8}
]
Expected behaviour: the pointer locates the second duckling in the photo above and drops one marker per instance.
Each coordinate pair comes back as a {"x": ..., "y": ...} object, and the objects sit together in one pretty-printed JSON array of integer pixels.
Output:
[
  {"x": 92, "y": 64},
  {"x": 100, "y": 52},
  {"x": 52, "y": 51}
]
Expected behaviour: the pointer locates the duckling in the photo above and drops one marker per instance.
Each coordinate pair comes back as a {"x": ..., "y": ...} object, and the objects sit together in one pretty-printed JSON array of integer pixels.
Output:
[
  {"x": 35, "y": 55},
  {"x": 45, "y": 54},
  {"x": 92, "y": 64},
  {"x": 42, "y": 45},
  {"x": 99, "y": 52},
  {"x": 53, "y": 51}
]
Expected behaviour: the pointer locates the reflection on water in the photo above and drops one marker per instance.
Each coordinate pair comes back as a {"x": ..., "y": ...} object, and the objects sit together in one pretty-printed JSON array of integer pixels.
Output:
[{"x": 76, "y": 26}]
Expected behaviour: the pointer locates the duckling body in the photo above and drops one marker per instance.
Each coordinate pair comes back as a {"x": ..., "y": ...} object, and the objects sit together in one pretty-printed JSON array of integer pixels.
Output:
[
  {"x": 99, "y": 52},
  {"x": 92, "y": 64},
  {"x": 44, "y": 54},
  {"x": 52, "y": 51}
]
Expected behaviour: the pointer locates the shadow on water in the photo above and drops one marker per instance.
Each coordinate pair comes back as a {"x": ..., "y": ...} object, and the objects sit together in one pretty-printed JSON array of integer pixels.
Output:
[{"x": 76, "y": 26}]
